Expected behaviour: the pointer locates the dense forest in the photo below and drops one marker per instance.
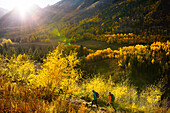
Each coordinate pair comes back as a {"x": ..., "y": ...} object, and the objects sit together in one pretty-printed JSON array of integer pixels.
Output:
[{"x": 121, "y": 46}]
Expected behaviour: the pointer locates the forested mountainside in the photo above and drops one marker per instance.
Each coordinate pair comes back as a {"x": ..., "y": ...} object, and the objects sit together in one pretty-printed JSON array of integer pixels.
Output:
[
  {"x": 131, "y": 16},
  {"x": 74, "y": 10},
  {"x": 96, "y": 17}
]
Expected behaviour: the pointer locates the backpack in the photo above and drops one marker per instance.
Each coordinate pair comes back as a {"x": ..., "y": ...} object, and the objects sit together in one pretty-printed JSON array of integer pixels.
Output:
[
  {"x": 97, "y": 94},
  {"x": 113, "y": 98}
]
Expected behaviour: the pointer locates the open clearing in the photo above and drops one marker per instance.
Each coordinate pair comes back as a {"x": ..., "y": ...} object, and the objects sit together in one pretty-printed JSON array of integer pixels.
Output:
[{"x": 90, "y": 44}]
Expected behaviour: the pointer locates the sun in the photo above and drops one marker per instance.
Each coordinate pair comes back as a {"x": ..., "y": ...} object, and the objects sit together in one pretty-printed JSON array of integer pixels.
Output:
[{"x": 23, "y": 6}]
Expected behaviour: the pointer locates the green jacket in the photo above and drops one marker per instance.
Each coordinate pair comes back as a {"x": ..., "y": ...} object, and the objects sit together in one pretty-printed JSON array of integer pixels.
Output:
[{"x": 94, "y": 95}]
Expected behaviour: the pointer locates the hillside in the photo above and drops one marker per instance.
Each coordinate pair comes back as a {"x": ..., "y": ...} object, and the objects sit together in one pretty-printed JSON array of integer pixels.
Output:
[
  {"x": 125, "y": 17},
  {"x": 96, "y": 18},
  {"x": 74, "y": 10},
  {"x": 88, "y": 9},
  {"x": 3, "y": 12},
  {"x": 14, "y": 18}
]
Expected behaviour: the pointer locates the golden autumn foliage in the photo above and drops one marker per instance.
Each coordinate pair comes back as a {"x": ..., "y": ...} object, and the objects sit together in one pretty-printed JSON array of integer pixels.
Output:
[
  {"x": 156, "y": 52},
  {"x": 7, "y": 42},
  {"x": 26, "y": 86},
  {"x": 47, "y": 40},
  {"x": 18, "y": 69},
  {"x": 58, "y": 72},
  {"x": 131, "y": 38},
  {"x": 125, "y": 94}
]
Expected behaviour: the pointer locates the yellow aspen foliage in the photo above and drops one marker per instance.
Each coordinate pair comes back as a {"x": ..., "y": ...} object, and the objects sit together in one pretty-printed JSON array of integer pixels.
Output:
[
  {"x": 153, "y": 61},
  {"x": 125, "y": 94},
  {"x": 59, "y": 71},
  {"x": 7, "y": 42},
  {"x": 19, "y": 68}
]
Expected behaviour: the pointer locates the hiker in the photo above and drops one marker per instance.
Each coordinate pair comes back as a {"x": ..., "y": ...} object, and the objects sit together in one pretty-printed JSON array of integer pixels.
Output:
[
  {"x": 95, "y": 98},
  {"x": 111, "y": 99}
]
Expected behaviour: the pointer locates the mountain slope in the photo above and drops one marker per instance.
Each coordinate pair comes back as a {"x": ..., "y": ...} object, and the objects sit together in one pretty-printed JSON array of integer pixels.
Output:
[
  {"x": 3, "y": 12},
  {"x": 74, "y": 10},
  {"x": 87, "y": 8},
  {"x": 14, "y": 18},
  {"x": 93, "y": 18},
  {"x": 128, "y": 16},
  {"x": 55, "y": 12}
]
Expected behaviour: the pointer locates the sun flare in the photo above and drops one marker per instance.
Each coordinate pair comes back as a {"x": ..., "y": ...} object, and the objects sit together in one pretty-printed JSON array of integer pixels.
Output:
[{"x": 23, "y": 6}]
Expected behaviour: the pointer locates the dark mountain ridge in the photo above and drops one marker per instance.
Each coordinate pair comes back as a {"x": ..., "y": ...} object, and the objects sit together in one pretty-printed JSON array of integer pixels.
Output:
[
  {"x": 88, "y": 9},
  {"x": 77, "y": 10}
]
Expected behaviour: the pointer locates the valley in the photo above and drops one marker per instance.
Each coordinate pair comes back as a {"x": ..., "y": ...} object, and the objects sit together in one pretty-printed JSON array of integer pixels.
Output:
[{"x": 53, "y": 56}]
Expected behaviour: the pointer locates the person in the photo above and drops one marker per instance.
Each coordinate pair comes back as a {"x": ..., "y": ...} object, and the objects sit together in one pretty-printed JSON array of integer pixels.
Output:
[
  {"x": 111, "y": 99},
  {"x": 95, "y": 98}
]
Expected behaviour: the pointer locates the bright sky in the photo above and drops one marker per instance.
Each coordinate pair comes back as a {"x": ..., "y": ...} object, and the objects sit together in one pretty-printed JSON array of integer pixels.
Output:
[{"x": 10, "y": 4}]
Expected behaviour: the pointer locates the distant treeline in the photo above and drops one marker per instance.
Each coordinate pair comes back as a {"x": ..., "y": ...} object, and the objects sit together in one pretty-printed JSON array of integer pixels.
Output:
[{"x": 39, "y": 52}]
